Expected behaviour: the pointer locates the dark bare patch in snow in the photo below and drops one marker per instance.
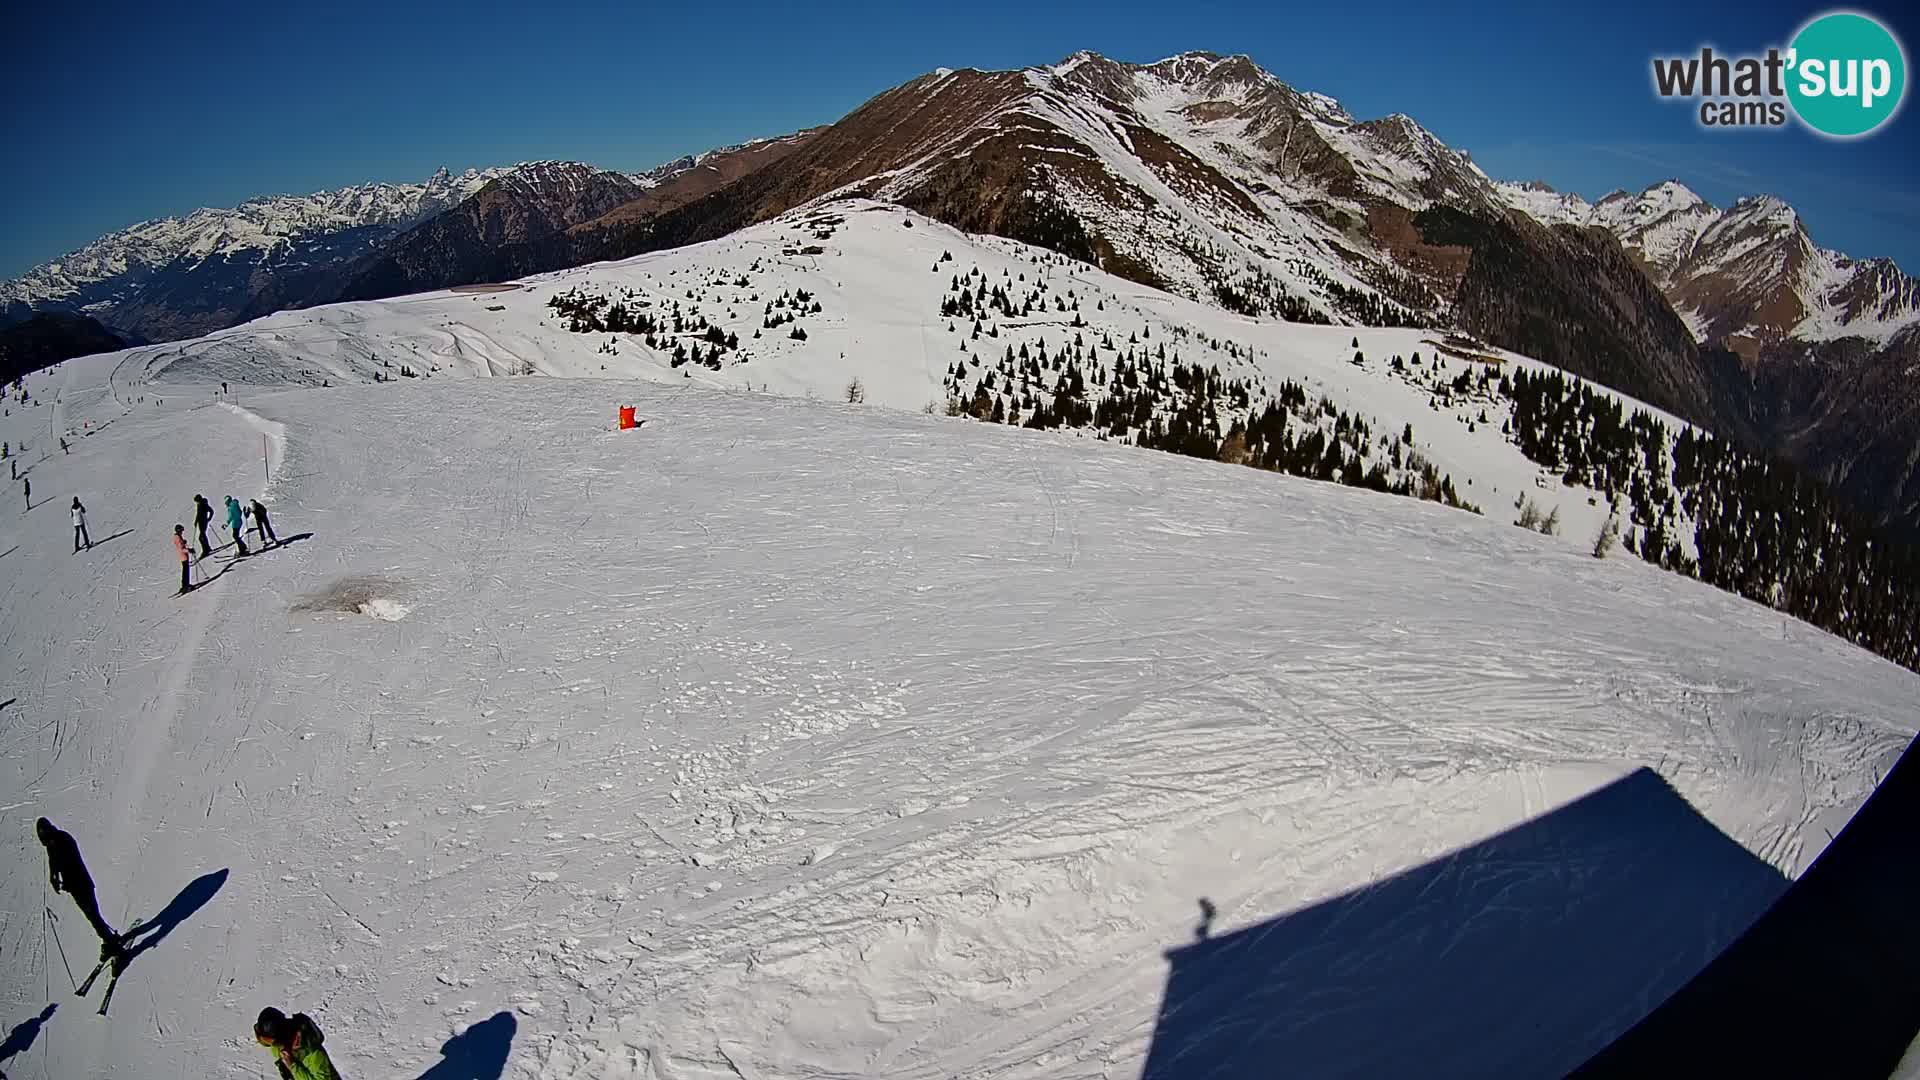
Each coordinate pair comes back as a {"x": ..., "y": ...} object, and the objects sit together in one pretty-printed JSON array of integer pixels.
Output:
[{"x": 359, "y": 594}]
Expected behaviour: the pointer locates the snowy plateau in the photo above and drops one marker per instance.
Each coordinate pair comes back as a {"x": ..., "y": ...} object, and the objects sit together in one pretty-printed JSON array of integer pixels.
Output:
[{"x": 784, "y": 736}]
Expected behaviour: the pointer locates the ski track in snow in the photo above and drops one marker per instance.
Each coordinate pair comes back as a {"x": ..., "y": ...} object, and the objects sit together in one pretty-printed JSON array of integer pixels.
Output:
[{"x": 788, "y": 739}]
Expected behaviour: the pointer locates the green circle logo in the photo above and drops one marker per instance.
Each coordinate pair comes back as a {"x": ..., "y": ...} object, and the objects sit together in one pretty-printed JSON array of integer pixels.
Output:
[{"x": 1848, "y": 74}]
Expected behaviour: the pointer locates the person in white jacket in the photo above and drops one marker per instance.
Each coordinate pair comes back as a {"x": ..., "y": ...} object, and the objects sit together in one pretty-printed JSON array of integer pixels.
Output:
[{"x": 80, "y": 526}]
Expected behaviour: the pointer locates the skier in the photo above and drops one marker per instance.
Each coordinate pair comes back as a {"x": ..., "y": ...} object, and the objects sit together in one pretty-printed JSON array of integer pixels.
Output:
[
  {"x": 63, "y": 445},
  {"x": 80, "y": 526},
  {"x": 237, "y": 527},
  {"x": 186, "y": 560},
  {"x": 68, "y": 874},
  {"x": 202, "y": 517},
  {"x": 297, "y": 1044},
  {"x": 262, "y": 528},
  {"x": 26, "y": 489}
]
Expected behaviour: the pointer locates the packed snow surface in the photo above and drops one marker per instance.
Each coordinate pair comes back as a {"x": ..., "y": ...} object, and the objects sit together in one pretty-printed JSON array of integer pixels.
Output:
[{"x": 788, "y": 738}]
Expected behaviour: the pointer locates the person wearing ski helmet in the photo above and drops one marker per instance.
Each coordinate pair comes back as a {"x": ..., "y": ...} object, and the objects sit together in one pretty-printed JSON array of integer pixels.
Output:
[
  {"x": 298, "y": 1046},
  {"x": 186, "y": 559},
  {"x": 202, "y": 517},
  {"x": 236, "y": 524}
]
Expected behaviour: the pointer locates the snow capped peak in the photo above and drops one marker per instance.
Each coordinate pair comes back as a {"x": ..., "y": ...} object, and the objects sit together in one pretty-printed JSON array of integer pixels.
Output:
[
  {"x": 1326, "y": 106},
  {"x": 1194, "y": 63},
  {"x": 1235, "y": 76},
  {"x": 1672, "y": 195},
  {"x": 1669, "y": 199},
  {"x": 1404, "y": 133},
  {"x": 1074, "y": 62},
  {"x": 661, "y": 173},
  {"x": 1191, "y": 55},
  {"x": 1399, "y": 159},
  {"x": 1540, "y": 201},
  {"x": 1768, "y": 208},
  {"x": 551, "y": 168},
  {"x": 555, "y": 177},
  {"x": 1203, "y": 62}
]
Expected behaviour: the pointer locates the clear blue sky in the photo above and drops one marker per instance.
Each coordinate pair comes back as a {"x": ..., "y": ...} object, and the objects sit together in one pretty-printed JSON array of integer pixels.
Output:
[{"x": 117, "y": 112}]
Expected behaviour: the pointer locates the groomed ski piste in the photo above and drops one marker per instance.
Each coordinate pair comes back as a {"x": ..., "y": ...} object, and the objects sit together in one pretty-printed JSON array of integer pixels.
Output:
[{"x": 795, "y": 738}]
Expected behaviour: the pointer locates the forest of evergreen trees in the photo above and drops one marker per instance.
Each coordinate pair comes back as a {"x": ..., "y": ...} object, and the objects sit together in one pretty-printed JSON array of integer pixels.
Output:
[
  {"x": 1257, "y": 291},
  {"x": 1759, "y": 528},
  {"x": 684, "y": 334},
  {"x": 1137, "y": 391}
]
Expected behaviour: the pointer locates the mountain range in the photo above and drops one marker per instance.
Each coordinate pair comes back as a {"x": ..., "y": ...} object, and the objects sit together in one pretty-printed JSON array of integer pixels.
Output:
[
  {"x": 183, "y": 276},
  {"x": 1202, "y": 175}
]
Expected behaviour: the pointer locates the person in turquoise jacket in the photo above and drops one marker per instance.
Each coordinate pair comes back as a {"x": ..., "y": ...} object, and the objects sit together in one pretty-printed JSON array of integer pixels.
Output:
[{"x": 236, "y": 523}]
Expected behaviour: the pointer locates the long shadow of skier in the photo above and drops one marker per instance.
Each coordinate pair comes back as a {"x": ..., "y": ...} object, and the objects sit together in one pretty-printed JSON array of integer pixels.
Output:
[
  {"x": 255, "y": 547},
  {"x": 191, "y": 899},
  {"x": 478, "y": 1053},
  {"x": 24, "y": 1033},
  {"x": 203, "y": 578},
  {"x": 115, "y": 536},
  {"x": 227, "y": 564}
]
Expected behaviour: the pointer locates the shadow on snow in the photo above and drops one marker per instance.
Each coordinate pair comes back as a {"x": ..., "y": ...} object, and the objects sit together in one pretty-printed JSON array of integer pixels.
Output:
[
  {"x": 110, "y": 539},
  {"x": 227, "y": 563},
  {"x": 1520, "y": 955},
  {"x": 24, "y": 1033},
  {"x": 151, "y": 932},
  {"x": 1826, "y": 983},
  {"x": 478, "y": 1053}
]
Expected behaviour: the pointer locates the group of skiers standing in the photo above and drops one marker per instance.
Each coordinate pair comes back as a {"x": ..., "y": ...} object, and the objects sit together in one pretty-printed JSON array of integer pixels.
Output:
[
  {"x": 236, "y": 518},
  {"x": 296, "y": 1041}
]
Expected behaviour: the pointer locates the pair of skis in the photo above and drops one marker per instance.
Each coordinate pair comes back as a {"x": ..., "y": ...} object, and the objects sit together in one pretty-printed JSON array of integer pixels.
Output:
[
  {"x": 118, "y": 962},
  {"x": 106, "y": 999}
]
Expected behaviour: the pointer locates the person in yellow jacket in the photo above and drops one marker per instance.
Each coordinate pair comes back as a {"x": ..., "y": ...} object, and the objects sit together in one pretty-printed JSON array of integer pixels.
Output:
[{"x": 296, "y": 1043}]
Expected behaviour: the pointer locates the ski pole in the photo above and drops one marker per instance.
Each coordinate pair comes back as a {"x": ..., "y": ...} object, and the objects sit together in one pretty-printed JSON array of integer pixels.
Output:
[{"x": 52, "y": 918}]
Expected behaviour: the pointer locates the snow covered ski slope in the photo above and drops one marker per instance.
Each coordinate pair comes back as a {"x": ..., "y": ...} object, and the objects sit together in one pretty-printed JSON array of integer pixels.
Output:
[{"x": 787, "y": 738}]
